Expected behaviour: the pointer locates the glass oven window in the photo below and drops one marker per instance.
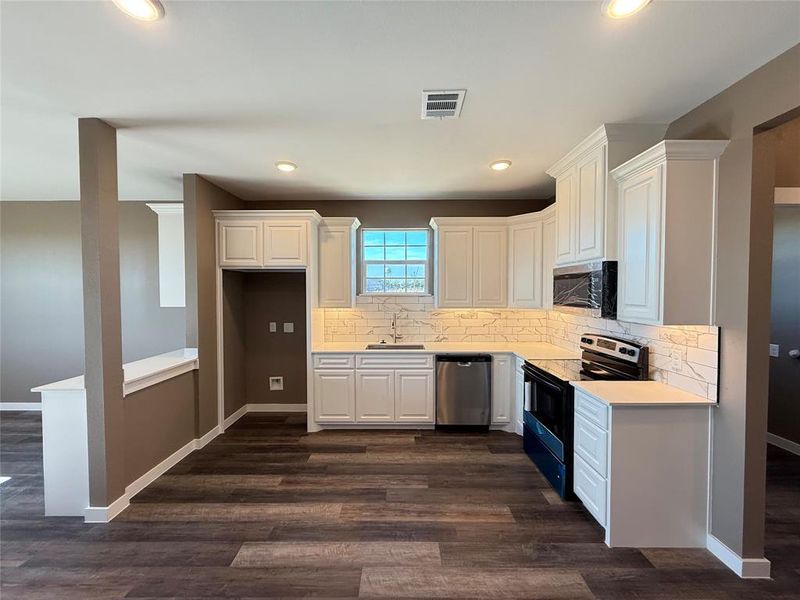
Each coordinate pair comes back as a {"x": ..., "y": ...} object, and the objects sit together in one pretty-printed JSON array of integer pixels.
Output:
[{"x": 548, "y": 406}]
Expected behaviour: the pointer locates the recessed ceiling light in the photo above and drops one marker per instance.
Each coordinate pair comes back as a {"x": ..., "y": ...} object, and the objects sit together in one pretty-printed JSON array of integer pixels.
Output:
[
  {"x": 500, "y": 165},
  {"x": 285, "y": 166},
  {"x": 143, "y": 10},
  {"x": 619, "y": 9}
]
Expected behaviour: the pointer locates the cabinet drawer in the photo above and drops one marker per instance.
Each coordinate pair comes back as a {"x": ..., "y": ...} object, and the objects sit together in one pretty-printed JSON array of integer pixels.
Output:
[
  {"x": 383, "y": 361},
  {"x": 334, "y": 361},
  {"x": 591, "y": 489},
  {"x": 594, "y": 410},
  {"x": 591, "y": 443}
]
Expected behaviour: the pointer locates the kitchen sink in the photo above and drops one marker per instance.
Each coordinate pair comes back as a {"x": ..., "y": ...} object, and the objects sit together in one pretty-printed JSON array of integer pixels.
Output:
[{"x": 395, "y": 347}]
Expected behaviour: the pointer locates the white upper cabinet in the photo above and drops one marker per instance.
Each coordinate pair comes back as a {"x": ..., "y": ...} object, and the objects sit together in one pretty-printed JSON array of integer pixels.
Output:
[
  {"x": 548, "y": 216},
  {"x": 266, "y": 238},
  {"x": 454, "y": 266},
  {"x": 240, "y": 243},
  {"x": 337, "y": 262},
  {"x": 489, "y": 260},
  {"x": 586, "y": 206},
  {"x": 525, "y": 254},
  {"x": 285, "y": 243},
  {"x": 667, "y": 199}
]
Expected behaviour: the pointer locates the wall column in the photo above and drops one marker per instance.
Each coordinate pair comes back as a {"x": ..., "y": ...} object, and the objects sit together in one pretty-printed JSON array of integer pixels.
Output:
[{"x": 101, "y": 310}]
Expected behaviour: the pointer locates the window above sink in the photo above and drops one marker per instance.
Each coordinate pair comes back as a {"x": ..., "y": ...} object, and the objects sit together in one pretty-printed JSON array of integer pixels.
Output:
[{"x": 395, "y": 262}]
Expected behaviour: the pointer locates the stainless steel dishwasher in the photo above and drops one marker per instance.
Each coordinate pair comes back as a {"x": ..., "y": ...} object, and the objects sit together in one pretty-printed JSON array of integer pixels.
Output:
[{"x": 464, "y": 390}]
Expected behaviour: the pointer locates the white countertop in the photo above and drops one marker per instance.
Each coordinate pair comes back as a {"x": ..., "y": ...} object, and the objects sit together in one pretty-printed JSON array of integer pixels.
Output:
[
  {"x": 138, "y": 374},
  {"x": 525, "y": 350},
  {"x": 640, "y": 393}
]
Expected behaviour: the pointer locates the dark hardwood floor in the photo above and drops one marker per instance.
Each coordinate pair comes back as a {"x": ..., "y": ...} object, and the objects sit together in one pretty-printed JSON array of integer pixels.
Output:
[{"x": 267, "y": 510}]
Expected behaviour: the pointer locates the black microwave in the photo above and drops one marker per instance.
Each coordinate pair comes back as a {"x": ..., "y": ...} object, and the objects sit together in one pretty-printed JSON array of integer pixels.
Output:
[{"x": 589, "y": 288}]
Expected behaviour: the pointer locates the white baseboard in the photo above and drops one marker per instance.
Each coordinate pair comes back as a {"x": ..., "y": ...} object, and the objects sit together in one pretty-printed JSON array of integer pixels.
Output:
[
  {"x": 780, "y": 442},
  {"x": 277, "y": 408},
  {"x": 205, "y": 439},
  {"x": 234, "y": 417},
  {"x": 34, "y": 406},
  {"x": 746, "y": 568},
  {"x": 518, "y": 427},
  {"x": 103, "y": 514}
]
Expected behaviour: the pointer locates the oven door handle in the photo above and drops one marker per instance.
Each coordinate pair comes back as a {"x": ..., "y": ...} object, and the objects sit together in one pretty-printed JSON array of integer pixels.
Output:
[{"x": 599, "y": 372}]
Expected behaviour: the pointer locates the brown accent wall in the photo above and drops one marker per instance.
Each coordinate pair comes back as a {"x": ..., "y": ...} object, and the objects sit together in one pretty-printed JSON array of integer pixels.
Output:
[
  {"x": 234, "y": 331},
  {"x": 743, "y": 295},
  {"x": 278, "y": 297},
  {"x": 41, "y": 295},
  {"x": 200, "y": 198},
  {"x": 159, "y": 420},
  {"x": 406, "y": 213}
]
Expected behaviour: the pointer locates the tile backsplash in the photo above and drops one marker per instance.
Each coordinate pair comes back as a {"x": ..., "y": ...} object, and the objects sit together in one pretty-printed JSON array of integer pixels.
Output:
[{"x": 684, "y": 357}]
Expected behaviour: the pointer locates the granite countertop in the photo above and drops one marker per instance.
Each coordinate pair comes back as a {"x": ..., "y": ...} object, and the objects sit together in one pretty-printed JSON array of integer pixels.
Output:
[
  {"x": 640, "y": 393},
  {"x": 138, "y": 374},
  {"x": 525, "y": 350}
]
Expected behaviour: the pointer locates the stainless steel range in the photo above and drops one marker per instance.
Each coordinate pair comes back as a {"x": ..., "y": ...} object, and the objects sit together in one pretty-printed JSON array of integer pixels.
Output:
[{"x": 548, "y": 412}]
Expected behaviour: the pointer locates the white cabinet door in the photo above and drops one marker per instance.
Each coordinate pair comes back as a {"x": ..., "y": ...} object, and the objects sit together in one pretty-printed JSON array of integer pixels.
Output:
[
  {"x": 374, "y": 396},
  {"x": 334, "y": 396},
  {"x": 285, "y": 244},
  {"x": 519, "y": 394},
  {"x": 336, "y": 261},
  {"x": 525, "y": 265},
  {"x": 565, "y": 216},
  {"x": 548, "y": 261},
  {"x": 414, "y": 395},
  {"x": 501, "y": 388},
  {"x": 490, "y": 266},
  {"x": 240, "y": 243},
  {"x": 590, "y": 206},
  {"x": 639, "y": 293},
  {"x": 455, "y": 266}
]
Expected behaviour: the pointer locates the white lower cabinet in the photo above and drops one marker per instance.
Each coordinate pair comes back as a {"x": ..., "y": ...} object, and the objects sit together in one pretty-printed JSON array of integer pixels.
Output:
[
  {"x": 642, "y": 471},
  {"x": 374, "y": 396},
  {"x": 413, "y": 396},
  {"x": 334, "y": 396},
  {"x": 381, "y": 389},
  {"x": 501, "y": 388}
]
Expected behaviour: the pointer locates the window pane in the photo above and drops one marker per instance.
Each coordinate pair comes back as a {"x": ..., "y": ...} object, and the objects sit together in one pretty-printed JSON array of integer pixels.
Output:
[
  {"x": 416, "y": 238},
  {"x": 417, "y": 252},
  {"x": 374, "y": 285},
  {"x": 375, "y": 270},
  {"x": 415, "y": 285},
  {"x": 415, "y": 271},
  {"x": 395, "y": 252},
  {"x": 373, "y": 238},
  {"x": 395, "y": 271},
  {"x": 373, "y": 252},
  {"x": 395, "y": 238},
  {"x": 394, "y": 286}
]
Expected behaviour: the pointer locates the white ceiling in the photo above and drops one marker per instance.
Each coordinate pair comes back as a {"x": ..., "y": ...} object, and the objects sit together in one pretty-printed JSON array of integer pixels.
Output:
[{"x": 227, "y": 88}]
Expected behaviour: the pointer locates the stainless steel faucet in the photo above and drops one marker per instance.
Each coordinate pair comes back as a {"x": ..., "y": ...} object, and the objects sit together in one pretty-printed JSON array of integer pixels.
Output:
[{"x": 395, "y": 336}]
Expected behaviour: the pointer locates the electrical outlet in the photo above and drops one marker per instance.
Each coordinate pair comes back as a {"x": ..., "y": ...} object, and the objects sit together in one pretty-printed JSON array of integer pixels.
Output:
[
  {"x": 774, "y": 350},
  {"x": 288, "y": 328},
  {"x": 273, "y": 327},
  {"x": 676, "y": 361},
  {"x": 275, "y": 384}
]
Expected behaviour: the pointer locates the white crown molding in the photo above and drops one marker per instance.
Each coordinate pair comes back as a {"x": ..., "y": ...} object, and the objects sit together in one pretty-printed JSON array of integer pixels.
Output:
[
  {"x": 284, "y": 215},
  {"x": 671, "y": 150},
  {"x": 437, "y": 222},
  {"x": 166, "y": 208},
  {"x": 341, "y": 222},
  {"x": 590, "y": 142}
]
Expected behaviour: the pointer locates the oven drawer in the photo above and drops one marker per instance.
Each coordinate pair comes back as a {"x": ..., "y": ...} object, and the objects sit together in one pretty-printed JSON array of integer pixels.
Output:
[
  {"x": 591, "y": 443},
  {"x": 591, "y": 489},
  {"x": 594, "y": 410}
]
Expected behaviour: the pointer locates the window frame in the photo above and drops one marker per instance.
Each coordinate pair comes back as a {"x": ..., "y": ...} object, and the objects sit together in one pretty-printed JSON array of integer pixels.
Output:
[{"x": 428, "y": 262}]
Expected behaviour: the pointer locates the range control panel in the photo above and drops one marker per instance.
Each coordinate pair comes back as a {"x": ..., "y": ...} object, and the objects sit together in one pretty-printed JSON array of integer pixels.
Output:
[{"x": 616, "y": 347}]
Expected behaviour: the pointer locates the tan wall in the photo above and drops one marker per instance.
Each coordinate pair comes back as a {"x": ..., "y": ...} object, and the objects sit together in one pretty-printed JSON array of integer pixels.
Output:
[
  {"x": 159, "y": 420},
  {"x": 234, "y": 331},
  {"x": 200, "y": 198},
  {"x": 41, "y": 296},
  {"x": 743, "y": 295}
]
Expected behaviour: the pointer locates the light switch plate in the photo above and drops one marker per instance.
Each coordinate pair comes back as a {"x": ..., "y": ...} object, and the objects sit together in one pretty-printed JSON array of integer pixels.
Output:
[
  {"x": 288, "y": 328},
  {"x": 273, "y": 327},
  {"x": 774, "y": 350},
  {"x": 677, "y": 365},
  {"x": 275, "y": 384}
]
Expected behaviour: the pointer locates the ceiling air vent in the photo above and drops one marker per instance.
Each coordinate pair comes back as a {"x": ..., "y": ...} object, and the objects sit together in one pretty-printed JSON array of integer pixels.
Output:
[{"x": 442, "y": 104}]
